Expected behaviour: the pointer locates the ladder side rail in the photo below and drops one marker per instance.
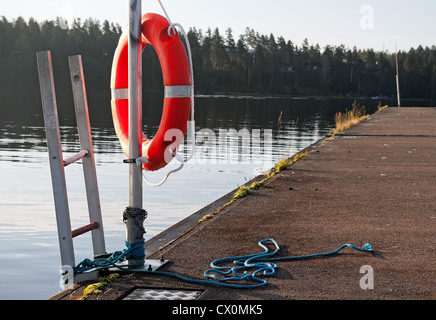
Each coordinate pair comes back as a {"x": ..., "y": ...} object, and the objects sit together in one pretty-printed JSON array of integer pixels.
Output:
[
  {"x": 89, "y": 170},
  {"x": 49, "y": 104}
]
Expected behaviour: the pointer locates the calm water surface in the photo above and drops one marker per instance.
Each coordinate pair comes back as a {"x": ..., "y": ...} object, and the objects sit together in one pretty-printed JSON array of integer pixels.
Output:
[{"x": 29, "y": 251}]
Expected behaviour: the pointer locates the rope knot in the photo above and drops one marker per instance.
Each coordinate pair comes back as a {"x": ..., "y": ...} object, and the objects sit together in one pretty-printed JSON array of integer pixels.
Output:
[{"x": 135, "y": 250}]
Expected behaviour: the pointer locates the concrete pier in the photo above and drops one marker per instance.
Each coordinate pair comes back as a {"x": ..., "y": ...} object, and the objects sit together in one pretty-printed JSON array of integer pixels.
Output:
[{"x": 374, "y": 183}]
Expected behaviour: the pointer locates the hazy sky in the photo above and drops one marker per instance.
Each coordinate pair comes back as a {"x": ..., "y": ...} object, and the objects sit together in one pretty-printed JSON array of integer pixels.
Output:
[{"x": 378, "y": 24}]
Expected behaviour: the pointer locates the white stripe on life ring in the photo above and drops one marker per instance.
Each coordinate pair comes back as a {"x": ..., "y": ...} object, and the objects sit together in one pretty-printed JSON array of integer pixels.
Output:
[
  {"x": 177, "y": 91},
  {"x": 120, "y": 94},
  {"x": 170, "y": 92}
]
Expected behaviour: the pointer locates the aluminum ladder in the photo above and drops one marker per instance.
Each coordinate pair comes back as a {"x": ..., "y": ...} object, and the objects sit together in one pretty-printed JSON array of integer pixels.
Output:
[{"x": 57, "y": 165}]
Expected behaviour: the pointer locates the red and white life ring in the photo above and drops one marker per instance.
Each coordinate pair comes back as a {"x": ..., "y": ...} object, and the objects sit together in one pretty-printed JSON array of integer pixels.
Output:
[{"x": 176, "y": 79}]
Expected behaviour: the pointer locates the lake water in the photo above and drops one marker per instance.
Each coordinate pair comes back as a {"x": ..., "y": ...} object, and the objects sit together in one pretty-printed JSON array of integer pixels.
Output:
[{"x": 29, "y": 251}]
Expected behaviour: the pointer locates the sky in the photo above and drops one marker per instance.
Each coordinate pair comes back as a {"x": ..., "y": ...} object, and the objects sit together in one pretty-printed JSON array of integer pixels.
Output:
[{"x": 376, "y": 24}]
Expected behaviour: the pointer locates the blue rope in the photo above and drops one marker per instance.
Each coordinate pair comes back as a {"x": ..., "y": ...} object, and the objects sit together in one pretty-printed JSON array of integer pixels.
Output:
[
  {"x": 261, "y": 262},
  {"x": 134, "y": 251}
]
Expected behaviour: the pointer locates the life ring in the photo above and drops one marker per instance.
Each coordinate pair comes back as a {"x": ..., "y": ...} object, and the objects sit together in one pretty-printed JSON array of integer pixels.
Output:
[{"x": 177, "y": 82}]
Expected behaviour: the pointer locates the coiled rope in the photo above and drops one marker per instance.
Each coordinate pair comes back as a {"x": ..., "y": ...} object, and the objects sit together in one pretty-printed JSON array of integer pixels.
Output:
[
  {"x": 172, "y": 29},
  {"x": 262, "y": 263}
]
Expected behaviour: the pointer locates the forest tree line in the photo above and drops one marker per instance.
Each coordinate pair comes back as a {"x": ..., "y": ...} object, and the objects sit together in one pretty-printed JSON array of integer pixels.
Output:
[{"x": 252, "y": 63}]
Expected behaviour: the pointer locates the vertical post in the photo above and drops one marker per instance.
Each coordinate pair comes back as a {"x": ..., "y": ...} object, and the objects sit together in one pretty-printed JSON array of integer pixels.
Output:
[
  {"x": 398, "y": 83},
  {"x": 84, "y": 128},
  {"x": 134, "y": 219},
  {"x": 49, "y": 105},
  {"x": 398, "y": 77}
]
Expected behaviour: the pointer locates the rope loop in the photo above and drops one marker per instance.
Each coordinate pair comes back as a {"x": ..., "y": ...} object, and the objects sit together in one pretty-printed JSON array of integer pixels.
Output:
[{"x": 172, "y": 28}]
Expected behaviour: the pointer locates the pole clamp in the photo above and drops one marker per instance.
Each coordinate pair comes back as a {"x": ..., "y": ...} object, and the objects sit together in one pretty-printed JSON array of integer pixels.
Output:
[{"x": 138, "y": 161}]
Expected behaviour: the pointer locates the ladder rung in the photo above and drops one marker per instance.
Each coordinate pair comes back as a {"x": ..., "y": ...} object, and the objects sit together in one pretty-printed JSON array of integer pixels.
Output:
[
  {"x": 85, "y": 229},
  {"x": 82, "y": 154}
]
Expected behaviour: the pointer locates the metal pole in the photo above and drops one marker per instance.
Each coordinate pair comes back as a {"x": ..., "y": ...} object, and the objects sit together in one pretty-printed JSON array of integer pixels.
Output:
[
  {"x": 398, "y": 84},
  {"x": 398, "y": 77},
  {"x": 135, "y": 215}
]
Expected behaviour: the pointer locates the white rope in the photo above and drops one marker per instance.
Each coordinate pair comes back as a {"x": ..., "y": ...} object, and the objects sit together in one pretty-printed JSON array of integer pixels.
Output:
[
  {"x": 175, "y": 153},
  {"x": 165, "y": 178}
]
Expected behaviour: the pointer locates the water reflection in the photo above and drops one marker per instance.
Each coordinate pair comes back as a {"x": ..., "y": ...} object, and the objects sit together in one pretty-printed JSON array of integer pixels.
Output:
[
  {"x": 28, "y": 225},
  {"x": 301, "y": 119}
]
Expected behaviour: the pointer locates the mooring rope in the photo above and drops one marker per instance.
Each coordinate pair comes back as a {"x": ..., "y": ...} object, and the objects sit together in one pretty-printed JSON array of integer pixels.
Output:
[
  {"x": 263, "y": 263},
  {"x": 172, "y": 29},
  {"x": 134, "y": 251}
]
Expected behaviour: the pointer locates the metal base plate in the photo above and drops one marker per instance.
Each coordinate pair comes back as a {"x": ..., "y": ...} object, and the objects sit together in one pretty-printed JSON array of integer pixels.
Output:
[
  {"x": 91, "y": 275},
  {"x": 149, "y": 265}
]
